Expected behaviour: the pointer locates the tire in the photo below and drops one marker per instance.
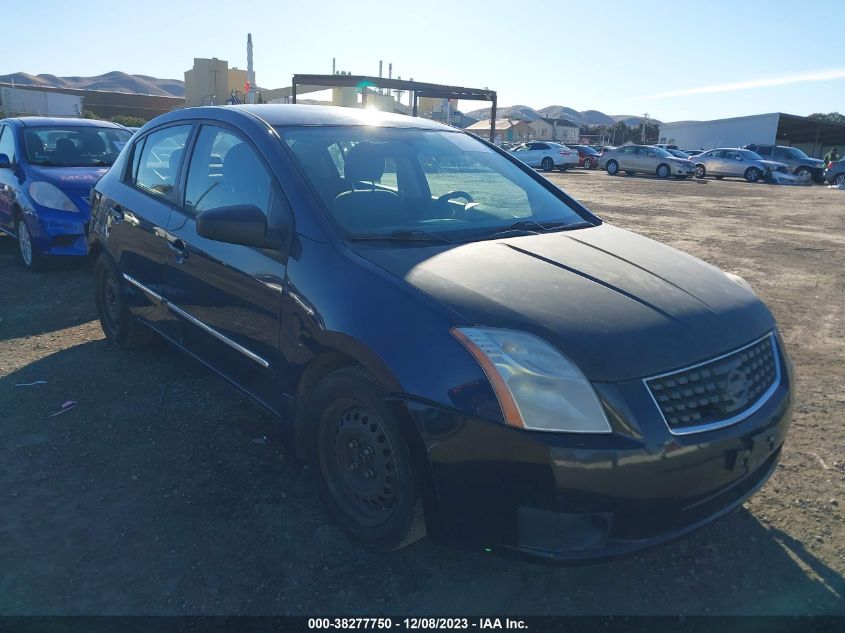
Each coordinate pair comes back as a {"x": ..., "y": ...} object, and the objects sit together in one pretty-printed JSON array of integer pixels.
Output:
[
  {"x": 700, "y": 171},
  {"x": 547, "y": 164},
  {"x": 588, "y": 163},
  {"x": 120, "y": 328},
  {"x": 804, "y": 174},
  {"x": 663, "y": 170},
  {"x": 29, "y": 256},
  {"x": 612, "y": 167},
  {"x": 367, "y": 480},
  {"x": 839, "y": 179},
  {"x": 752, "y": 174}
]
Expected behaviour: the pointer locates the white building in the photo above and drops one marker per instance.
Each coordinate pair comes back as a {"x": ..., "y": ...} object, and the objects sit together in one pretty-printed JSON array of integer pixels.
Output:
[
  {"x": 38, "y": 102},
  {"x": 813, "y": 137},
  {"x": 560, "y": 130}
]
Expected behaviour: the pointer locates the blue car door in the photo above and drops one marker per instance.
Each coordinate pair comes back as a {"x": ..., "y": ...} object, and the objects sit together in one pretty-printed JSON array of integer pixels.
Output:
[
  {"x": 228, "y": 297},
  {"x": 8, "y": 179},
  {"x": 137, "y": 223}
]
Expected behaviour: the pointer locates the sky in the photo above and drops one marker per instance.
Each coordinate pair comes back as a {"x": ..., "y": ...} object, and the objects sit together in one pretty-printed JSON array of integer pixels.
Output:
[{"x": 674, "y": 61}]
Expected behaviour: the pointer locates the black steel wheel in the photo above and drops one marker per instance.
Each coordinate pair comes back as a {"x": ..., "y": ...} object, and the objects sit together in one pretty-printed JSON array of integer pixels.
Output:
[
  {"x": 118, "y": 325},
  {"x": 367, "y": 481}
]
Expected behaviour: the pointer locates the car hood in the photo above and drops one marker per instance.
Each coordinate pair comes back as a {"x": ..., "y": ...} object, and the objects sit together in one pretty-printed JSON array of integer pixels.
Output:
[
  {"x": 620, "y": 305},
  {"x": 68, "y": 178}
]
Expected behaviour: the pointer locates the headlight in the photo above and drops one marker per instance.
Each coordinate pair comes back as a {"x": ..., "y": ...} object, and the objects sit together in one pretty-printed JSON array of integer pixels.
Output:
[
  {"x": 538, "y": 387},
  {"x": 51, "y": 196},
  {"x": 740, "y": 280}
]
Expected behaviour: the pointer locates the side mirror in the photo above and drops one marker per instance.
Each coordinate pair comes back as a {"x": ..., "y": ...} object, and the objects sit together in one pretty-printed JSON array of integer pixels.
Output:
[
  {"x": 5, "y": 163},
  {"x": 243, "y": 224}
]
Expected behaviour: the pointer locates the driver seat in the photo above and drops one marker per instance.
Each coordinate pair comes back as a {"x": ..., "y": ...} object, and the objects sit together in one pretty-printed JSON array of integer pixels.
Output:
[{"x": 365, "y": 210}]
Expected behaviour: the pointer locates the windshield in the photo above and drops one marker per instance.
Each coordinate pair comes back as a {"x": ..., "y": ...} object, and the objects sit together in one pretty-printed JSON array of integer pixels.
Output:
[
  {"x": 661, "y": 152},
  {"x": 432, "y": 185},
  {"x": 795, "y": 153},
  {"x": 74, "y": 146}
]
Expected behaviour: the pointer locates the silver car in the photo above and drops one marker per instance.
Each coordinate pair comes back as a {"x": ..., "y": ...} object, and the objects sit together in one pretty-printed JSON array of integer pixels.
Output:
[
  {"x": 738, "y": 163},
  {"x": 645, "y": 159}
]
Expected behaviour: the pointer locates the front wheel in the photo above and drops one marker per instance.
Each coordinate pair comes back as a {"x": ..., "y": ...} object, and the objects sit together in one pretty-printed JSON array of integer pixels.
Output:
[
  {"x": 367, "y": 481},
  {"x": 612, "y": 167},
  {"x": 547, "y": 164},
  {"x": 588, "y": 163},
  {"x": 663, "y": 171},
  {"x": 839, "y": 180},
  {"x": 752, "y": 174},
  {"x": 700, "y": 171},
  {"x": 30, "y": 257},
  {"x": 804, "y": 174},
  {"x": 120, "y": 328}
]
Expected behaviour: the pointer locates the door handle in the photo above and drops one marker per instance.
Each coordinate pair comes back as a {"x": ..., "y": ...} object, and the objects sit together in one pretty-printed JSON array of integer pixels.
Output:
[
  {"x": 179, "y": 250},
  {"x": 116, "y": 213}
]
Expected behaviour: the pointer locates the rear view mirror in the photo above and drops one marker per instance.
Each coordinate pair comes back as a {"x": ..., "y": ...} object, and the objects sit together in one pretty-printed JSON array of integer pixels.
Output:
[
  {"x": 5, "y": 163},
  {"x": 242, "y": 224}
]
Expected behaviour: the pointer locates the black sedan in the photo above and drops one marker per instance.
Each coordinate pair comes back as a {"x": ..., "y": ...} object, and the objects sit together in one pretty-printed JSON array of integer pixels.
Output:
[{"x": 458, "y": 347}]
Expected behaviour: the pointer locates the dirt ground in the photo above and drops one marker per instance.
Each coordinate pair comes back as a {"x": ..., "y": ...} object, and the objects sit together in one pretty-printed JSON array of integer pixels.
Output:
[{"x": 159, "y": 494}]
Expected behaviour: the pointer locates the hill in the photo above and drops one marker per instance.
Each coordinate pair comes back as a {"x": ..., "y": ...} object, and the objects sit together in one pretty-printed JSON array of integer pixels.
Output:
[
  {"x": 584, "y": 117},
  {"x": 114, "y": 81}
]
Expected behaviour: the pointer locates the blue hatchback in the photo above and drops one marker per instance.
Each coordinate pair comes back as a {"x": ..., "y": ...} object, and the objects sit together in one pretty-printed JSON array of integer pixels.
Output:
[{"x": 47, "y": 169}]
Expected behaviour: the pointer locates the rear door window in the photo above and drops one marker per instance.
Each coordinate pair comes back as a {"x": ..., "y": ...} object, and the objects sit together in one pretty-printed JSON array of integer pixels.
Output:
[
  {"x": 7, "y": 142},
  {"x": 157, "y": 165}
]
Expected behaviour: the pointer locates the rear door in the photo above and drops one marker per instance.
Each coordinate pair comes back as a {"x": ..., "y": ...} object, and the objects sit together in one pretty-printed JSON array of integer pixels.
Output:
[
  {"x": 136, "y": 216},
  {"x": 627, "y": 158},
  {"x": 228, "y": 297}
]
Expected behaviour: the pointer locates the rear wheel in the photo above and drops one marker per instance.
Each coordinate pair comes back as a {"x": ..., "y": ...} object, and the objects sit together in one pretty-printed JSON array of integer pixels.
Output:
[
  {"x": 588, "y": 163},
  {"x": 612, "y": 167},
  {"x": 547, "y": 164},
  {"x": 367, "y": 481},
  {"x": 663, "y": 170},
  {"x": 804, "y": 174},
  {"x": 839, "y": 180},
  {"x": 118, "y": 324},
  {"x": 752, "y": 174}
]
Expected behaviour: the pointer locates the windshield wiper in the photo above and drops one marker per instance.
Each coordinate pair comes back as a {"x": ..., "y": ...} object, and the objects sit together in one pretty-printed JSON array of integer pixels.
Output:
[
  {"x": 402, "y": 235},
  {"x": 531, "y": 227}
]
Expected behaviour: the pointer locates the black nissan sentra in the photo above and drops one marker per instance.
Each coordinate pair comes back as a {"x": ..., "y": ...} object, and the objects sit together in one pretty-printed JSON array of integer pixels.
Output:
[{"x": 461, "y": 349}]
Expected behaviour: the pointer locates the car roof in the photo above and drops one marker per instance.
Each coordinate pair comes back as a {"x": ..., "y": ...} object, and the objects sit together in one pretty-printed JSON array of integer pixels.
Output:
[
  {"x": 40, "y": 121},
  {"x": 301, "y": 114}
]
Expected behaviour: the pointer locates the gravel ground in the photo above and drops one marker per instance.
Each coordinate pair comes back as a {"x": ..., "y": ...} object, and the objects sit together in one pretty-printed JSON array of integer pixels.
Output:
[{"x": 164, "y": 492}]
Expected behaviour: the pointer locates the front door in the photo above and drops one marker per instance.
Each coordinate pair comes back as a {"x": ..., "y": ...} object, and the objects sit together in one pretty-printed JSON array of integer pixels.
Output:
[
  {"x": 228, "y": 297},
  {"x": 8, "y": 179}
]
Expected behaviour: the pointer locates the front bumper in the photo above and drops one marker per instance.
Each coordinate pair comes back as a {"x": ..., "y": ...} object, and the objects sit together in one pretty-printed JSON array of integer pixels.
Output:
[
  {"x": 59, "y": 233},
  {"x": 569, "y": 497}
]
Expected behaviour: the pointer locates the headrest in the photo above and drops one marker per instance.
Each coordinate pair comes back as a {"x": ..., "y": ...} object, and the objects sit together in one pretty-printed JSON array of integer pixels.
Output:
[
  {"x": 364, "y": 162},
  {"x": 175, "y": 158},
  {"x": 238, "y": 163}
]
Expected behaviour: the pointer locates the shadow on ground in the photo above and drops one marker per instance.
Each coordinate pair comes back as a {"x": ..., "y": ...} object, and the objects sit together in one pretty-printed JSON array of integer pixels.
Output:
[{"x": 164, "y": 491}]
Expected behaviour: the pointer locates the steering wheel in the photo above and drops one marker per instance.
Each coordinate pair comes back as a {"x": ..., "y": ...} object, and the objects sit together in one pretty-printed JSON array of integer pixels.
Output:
[{"x": 449, "y": 195}]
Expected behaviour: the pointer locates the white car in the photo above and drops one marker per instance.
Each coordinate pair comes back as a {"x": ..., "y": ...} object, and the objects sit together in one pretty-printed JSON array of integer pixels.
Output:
[{"x": 546, "y": 155}]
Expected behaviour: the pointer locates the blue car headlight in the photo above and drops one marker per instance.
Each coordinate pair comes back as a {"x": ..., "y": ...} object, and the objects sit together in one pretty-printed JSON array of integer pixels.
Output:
[
  {"x": 50, "y": 196},
  {"x": 537, "y": 387}
]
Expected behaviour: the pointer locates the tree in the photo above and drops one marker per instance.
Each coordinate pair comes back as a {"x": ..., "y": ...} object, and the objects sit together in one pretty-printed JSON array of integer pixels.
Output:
[
  {"x": 128, "y": 121},
  {"x": 830, "y": 117}
]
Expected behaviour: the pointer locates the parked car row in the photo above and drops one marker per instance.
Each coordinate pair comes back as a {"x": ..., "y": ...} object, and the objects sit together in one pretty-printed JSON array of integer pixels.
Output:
[{"x": 366, "y": 281}]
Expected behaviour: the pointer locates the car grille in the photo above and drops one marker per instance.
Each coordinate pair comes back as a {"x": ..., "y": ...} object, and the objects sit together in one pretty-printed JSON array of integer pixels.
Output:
[{"x": 717, "y": 392}]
